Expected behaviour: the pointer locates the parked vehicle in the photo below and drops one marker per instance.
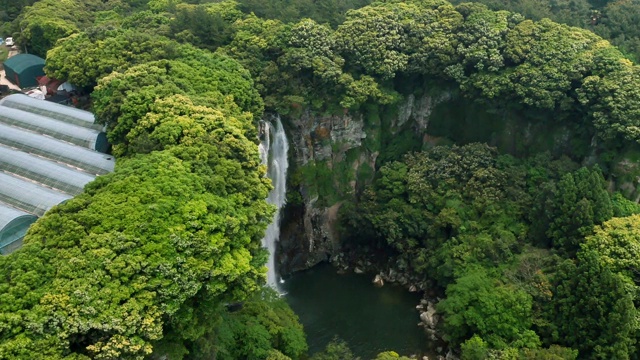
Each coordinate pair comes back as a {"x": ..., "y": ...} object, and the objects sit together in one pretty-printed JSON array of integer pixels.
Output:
[{"x": 9, "y": 41}]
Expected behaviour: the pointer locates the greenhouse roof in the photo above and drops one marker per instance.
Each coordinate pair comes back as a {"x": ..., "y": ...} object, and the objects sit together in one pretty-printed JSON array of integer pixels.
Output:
[
  {"x": 88, "y": 138},
  {"x": 46, "y": 158},
  {"x": 57, "y": 176},
  {"x": 14, "y": 224},
  {"x": 60, "y": 112},
  {"x": 29, "y": 196},
  {"x": 8, "y": 214},
  {"x": 90, "y": 161}
]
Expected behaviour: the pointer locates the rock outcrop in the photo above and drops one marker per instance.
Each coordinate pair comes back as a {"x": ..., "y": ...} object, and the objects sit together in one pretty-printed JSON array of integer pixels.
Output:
[
  {"x": 429, "y": 318},
  {"x": 339, "y": 144},
  {"x": 335, "y": 156}
]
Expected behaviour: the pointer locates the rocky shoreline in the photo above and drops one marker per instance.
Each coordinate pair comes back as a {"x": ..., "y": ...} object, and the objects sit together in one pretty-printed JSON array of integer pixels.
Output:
[{"x": 389, "y": 274}]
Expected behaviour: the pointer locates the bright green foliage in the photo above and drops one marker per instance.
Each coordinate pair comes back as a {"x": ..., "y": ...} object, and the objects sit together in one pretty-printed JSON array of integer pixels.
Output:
[
  {"x": 264, "y": 324},
  {"x": 482, "y": 38},
  {"x": 276, "y": 355},
  {"x": 474, "y": 349},
  {"x": 613, "y": 20},
  {"x": 122, "y": 99},
  {"x": 206, "y": 26},
  {"x": 570, "y": 12},
  {"x": 554, "y": 352},
  {"x": 312, "y": 49},
  {"x": 148, "y": 22},
  {"x": 84, "y": 58},
  {"x": 49, "y": 20},
  {"x": 429, "y": 25},
  {"x": 177, "y": 120},
  {"x": 500, "y": 314},
  {"x": 612, "y": 98},
  {"x": 445, "y": 209},
  {"x": 390, "y": 355},
  {"x": 315, "y": 70},
  {"x": 226, "y": 9},
  {"x": 256, "y": 44},
  {"x": 221, "y": 73},
  {"x": 321, "y": 11},
  {"x": 545, "y": 58},
  {"x": 617, "y": 243},
  {"x": 592, "y": 309},
  {"x": 336, "y": 350},
  {"x": 159, "y": 6},
  {"x": 623, "y": 207},
  {"x": 129, "y": 254},
  {"x": 373, "y": 39}
]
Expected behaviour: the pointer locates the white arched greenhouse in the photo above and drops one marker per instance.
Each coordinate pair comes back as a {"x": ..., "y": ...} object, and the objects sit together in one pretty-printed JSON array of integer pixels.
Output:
[
  {"x": 54, "y": 111},
  {"x": 48, "y": 153}
]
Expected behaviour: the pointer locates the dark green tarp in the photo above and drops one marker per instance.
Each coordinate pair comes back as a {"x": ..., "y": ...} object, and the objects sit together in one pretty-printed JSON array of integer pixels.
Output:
[{"x": 23, "y": 69}]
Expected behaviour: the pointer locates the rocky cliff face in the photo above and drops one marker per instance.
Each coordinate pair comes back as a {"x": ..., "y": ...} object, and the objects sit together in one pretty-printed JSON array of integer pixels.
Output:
[
  {"x": 310, "y": 235},
  {"x": 335, "y": 156}
]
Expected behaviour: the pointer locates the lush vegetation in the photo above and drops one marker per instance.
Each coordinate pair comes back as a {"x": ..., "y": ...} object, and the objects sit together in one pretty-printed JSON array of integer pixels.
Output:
[
  {"x": 613, "y": 20},
  {"x": 144, "y": 261},
  {"x": 535, "y": 257},
  {"x": 513, "y": 245}
]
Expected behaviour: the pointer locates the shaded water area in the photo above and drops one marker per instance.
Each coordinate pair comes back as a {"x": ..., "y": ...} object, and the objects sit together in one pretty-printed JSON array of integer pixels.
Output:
[{"x": 369, "y": 319}]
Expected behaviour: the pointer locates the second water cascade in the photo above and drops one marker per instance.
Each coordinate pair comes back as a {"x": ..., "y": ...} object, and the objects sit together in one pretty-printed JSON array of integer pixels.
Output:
[{"x": 273, "y": 152}]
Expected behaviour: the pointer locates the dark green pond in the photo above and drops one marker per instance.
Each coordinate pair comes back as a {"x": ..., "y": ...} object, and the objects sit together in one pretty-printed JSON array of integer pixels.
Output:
[{"x": 369, "y": 319}]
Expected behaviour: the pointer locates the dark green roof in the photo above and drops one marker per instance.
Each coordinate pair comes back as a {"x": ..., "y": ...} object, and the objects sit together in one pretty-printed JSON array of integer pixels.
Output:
[{"x": 19, "y": 63}]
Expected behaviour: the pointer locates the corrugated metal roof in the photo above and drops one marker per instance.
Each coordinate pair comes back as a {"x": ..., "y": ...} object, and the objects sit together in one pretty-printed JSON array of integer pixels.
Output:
[
  {"x": 60, "y": 130},
  {"x": 46, "y": 172},
  {"x": 29, "y": 196},
  {"x": 91, "y": 161},
  {"x": 60, "y": 112},
  {"x": 46, "y": 157},
  {"x": 13, "y": 226},
  {"x": 9, "y": 214}
]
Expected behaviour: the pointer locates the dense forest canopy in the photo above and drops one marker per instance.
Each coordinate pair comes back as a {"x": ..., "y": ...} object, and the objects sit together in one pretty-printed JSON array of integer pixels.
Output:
[{"x": 534, "y": 257}]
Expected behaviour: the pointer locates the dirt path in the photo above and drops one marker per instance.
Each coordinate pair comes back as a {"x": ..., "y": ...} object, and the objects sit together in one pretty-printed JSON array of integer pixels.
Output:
[{"x": 3, "y": 79}]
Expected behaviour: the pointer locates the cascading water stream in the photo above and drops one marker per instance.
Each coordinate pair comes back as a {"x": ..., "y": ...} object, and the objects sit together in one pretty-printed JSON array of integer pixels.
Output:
[{"x": 273, "y": 152}]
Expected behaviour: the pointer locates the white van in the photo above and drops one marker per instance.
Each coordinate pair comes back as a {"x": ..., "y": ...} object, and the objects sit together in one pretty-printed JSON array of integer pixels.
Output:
[{"x": 9, "y": 41}]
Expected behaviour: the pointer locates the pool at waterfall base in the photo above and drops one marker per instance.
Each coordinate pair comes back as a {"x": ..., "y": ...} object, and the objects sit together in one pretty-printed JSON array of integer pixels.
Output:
[{"x": 370, "y": 319}]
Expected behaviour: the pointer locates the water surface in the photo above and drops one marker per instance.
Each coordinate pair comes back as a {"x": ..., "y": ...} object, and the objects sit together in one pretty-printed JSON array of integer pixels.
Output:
[{"x": 369, "y": 319}]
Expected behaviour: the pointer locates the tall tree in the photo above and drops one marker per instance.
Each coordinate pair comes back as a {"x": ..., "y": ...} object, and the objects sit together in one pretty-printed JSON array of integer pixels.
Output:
[{"x": 592, "y": 309}]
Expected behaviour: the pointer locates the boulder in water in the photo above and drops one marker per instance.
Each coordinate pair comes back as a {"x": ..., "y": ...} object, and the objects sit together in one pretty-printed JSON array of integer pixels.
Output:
[{"x": 377, "y": 281}]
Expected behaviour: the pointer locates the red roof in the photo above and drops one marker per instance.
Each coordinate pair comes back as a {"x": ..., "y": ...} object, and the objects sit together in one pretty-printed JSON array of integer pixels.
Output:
[{"x": 52, "y": 84}]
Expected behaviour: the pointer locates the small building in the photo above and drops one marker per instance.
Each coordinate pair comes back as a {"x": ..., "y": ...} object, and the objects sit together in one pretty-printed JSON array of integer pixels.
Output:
[{"x": 24, "y": 69}]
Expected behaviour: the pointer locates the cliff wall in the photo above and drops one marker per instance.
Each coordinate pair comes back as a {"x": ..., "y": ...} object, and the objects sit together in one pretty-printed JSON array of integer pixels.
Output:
[{"x": 333, "y": 157}]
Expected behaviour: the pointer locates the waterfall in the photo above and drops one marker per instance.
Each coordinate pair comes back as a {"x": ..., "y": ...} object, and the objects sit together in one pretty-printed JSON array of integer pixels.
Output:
[{"x": 273, "y": 152}]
